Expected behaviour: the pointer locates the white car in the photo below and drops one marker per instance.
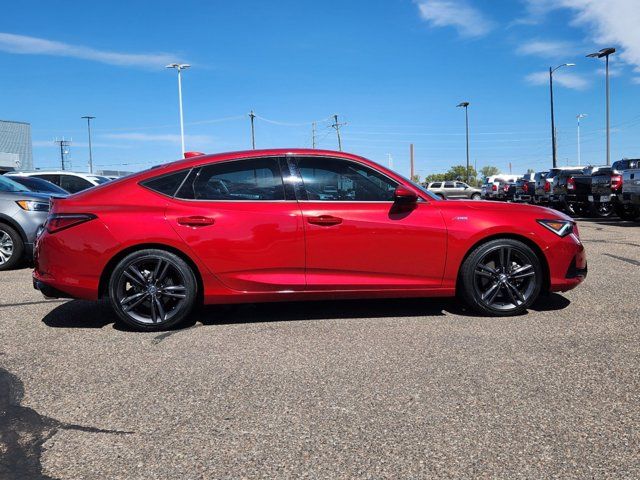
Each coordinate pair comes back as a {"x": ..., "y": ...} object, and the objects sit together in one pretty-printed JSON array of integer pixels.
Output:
[
  {"x": 491, "y": 187},
  {"x": 72, "y": 182}
]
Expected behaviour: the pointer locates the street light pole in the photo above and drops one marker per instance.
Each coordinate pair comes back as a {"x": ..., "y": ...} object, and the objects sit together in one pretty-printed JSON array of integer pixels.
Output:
[
  {"x": 466, "y": 117},
  {"x": 89, "y": 118},
  {"x": 605, "y": 52},
  {"x": 553, "y": 126},
  {"x": 179, "y": 67},
  {"x": 579, "y": 116}
]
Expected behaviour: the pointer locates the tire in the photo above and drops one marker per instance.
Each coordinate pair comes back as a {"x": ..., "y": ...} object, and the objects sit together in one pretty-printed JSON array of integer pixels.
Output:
[
  {"x": 475, "y": 196},
  {"x": 152, "y": 290},
  {"x": 500, "y": 278},
  {"x": 11, "y": 247},
  {"x": 602, "y": 210},
  {"x": 627, "y": 212}
]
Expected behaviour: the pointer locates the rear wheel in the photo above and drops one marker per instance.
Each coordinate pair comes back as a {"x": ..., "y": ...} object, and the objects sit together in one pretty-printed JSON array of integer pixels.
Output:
[
  {"x": 603, "y": 209},
  {"x": 152, "y": 290},
  {"x": 475, "y": 196},
  {"x": 501, "y": 277},
  {"x": 11, "y": 247},
  {"x": 627, "y": 212}
]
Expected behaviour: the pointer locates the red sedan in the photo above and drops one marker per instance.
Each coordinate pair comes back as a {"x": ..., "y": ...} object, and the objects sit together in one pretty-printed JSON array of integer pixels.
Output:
[{"x": 272, "y": 225}]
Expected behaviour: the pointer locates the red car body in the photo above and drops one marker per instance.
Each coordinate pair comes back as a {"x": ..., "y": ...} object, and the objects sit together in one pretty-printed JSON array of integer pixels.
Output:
[{"x": 260, "y": 251}]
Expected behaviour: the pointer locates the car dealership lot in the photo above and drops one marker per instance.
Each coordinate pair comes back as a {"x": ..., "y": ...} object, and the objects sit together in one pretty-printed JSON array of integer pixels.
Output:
[{"x": 400, "y": 388}]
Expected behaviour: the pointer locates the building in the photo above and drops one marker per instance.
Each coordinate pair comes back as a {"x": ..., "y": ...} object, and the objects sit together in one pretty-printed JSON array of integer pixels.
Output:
[{"x": 15, "y": 146}]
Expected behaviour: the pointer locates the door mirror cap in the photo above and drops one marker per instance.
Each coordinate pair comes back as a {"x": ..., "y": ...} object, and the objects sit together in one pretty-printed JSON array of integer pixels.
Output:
[{"x": 404, "y": 195}]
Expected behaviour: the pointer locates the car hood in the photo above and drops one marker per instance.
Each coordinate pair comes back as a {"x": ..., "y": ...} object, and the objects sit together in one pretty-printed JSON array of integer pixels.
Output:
[{"x": 502, "y": 207}]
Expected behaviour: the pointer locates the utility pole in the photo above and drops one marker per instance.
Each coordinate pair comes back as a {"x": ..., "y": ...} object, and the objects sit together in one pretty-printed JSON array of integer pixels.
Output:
[
  {"x": 411, "y": 170},
  {"x": 337, "y": 126},
  {"x": 89, "y": 118},
  {"x": 253, "y": 132},
  {"x": 465, "y": 105},
  {"x": 63, "y": 145},
  {"x": 313, "y": 134}
]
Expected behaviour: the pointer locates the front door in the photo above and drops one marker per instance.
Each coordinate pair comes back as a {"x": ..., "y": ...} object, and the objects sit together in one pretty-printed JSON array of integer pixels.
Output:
[
  {"x": 357, "y": 238},
  {"x": 238, "y": 220}
]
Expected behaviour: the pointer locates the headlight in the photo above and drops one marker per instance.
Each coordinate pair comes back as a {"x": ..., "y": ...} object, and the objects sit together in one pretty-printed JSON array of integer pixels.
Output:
[
  {"x": 33, "y": 206},
  {"x": 561, "y": 228}
]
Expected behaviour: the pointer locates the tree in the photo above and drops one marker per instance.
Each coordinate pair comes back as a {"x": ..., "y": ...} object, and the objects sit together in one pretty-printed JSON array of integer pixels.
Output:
[
  {"x": 489, "y": 170},
  {"x": 530, "y": 170},
  {"x": 435, "y": 177},
  {"x": 415, "y": 178},
  {"x": 459, "y": 172}
]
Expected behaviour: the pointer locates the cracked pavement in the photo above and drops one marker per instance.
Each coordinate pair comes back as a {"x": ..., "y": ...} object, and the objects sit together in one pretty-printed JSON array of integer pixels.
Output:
[{"x": 345, "y": 389}]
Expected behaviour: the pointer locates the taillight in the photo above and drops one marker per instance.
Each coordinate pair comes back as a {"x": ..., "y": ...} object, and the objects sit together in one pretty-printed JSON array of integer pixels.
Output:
[
  {"x": 571, "y": 184},
  {"x": 525, "y": 187},
  {"x": 547, "y": 186},
  {"x": 494, "y": 187},
  {"x": 506, "y": 188},
  {"x": 616, "y": 182},
  {"x": 62, "y": 221}
]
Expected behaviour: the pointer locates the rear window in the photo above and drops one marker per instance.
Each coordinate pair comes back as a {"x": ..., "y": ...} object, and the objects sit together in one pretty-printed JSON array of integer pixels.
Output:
[
  {"x": 436, "y": 185},
  {"x": 166, "y": 184}
]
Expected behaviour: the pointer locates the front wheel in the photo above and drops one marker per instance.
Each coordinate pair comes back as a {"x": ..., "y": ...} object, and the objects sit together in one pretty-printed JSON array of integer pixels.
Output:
[
  {"x": 152, "y": 290},
  {"x": 603, "y": 209},
  {"x": 11, "y": 247},
  {"x": 501, "y": 277}
]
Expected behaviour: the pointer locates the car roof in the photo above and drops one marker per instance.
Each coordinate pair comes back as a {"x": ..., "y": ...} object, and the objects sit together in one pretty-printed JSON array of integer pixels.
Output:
[{"x": 28, "y": 173}]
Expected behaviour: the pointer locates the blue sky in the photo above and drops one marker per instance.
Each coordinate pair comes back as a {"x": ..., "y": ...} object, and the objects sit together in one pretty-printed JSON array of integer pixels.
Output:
[{"x": 393, "y": 70}]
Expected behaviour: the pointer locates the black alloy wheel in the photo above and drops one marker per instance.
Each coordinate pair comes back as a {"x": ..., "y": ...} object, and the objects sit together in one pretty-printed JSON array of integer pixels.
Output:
[
  {"x": 603, "y": 209},
  {"x": 501, "y": 277},
  {"x": 152, "y": 290}
]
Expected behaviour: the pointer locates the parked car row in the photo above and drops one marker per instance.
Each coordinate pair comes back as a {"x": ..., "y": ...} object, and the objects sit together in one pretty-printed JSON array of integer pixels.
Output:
[
  {"x": 24, "y": 206},
  {"x": 586, "y": 190}
]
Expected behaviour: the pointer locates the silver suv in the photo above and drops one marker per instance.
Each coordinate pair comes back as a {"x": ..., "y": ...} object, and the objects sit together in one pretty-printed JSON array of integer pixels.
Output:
[
  {"x": 454, "y": 190},
  {"x": 22, "y": 212}
]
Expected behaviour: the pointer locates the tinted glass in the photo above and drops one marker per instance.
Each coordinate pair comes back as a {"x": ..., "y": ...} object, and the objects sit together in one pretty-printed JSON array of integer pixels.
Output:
[
  {"x": 254, "y": 179},
  {"x": 166, "y": 184},
  {"x": 39, "y": 185},
  {"x": 74, "y": 184},
  {"x": 460, "y": 185},
  {"x": 100, "y": 180},
  {"x": 8, "y": 185},
  {"x": 55, "y": 179},
  {"x": 436, "y": 185},
  {"x": 448, "y": 185},
  {"x": 339, "y": 180}
]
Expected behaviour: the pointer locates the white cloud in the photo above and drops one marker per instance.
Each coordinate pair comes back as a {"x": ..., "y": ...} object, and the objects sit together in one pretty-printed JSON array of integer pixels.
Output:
[
  {"x": 545, "y": 48},
  {"x": 566, "y": 79},
  {"x": 608, "y": 22},
  {"x": 467, "y": 20},
  {"x": 636, "y": 80},
  {"x": 160, "y": 138},
  {"x": 24, "y": 45}
]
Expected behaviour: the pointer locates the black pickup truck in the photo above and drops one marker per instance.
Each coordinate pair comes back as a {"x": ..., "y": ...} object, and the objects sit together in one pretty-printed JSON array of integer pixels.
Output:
[
  {"x": 572, "y": 188},
  {"x": 525, "y": 188},
  {"x": 606, "y": 189}
]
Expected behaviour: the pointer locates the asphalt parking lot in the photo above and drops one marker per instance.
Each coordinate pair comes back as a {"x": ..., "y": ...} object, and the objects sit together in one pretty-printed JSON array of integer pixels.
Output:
[{"x": 369, "y": 389}]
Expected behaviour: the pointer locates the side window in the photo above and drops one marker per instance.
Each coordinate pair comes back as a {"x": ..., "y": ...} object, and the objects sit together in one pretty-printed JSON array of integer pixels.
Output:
[
  {"x": 448, "y": 185},
  {"x": 252, "y": 179},
  {"x": 460, "y": 185},
  {"x": 166, "y": 184},
  {"x": 74, "y": 184},
  {"x": 339, "y": 180},
  {"x": 436, "y": 185},
  {"x": 50, "y": 178}
]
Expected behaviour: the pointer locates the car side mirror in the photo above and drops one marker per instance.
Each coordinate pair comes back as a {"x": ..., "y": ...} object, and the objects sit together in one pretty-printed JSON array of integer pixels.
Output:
[{"x": 404, "y": 195}]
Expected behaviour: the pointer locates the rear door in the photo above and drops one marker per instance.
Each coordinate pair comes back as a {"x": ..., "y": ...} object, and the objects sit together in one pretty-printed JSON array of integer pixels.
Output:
[
  {"x": 240, "y": 222},
  {"x": 359, "y": 239}
]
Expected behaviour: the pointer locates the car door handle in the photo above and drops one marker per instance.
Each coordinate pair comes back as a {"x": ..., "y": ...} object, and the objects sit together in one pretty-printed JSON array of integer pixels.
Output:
[
  {"x": 324, "y": 220},
  {"x": 195, "y": 221}
]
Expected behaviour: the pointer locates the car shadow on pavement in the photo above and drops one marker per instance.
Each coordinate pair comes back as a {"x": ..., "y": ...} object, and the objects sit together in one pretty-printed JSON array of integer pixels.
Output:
[
  {"x": 320, "y": 310},
  {"x": 85, "y": 314}
]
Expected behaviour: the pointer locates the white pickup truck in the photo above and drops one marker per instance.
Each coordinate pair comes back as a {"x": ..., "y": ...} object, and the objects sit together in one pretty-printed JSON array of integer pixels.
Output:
[{"x": 631, "y": 193}]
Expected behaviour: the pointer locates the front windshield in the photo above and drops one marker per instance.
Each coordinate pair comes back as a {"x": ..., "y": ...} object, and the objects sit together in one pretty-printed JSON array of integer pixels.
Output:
[{"x": 8, "y": 185}]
